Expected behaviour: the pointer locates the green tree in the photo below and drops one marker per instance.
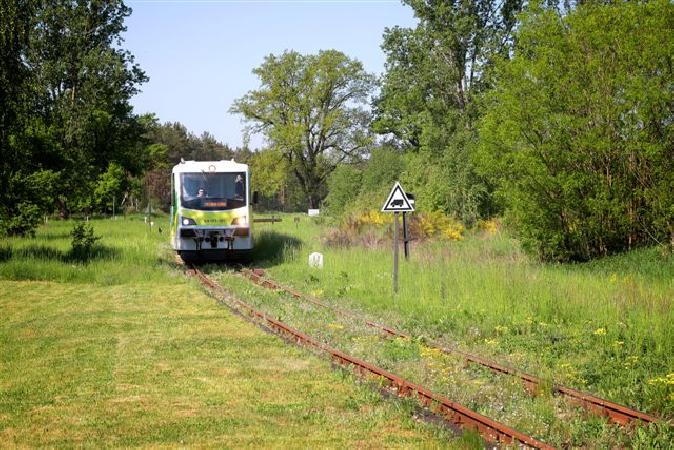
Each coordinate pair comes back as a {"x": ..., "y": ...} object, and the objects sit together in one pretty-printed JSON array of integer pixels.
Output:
[
  {"x": 269, "y": 172},
  {"x": 110, "y": 187},
  {"x": 579, "y": 131},
  {"x": 81, "y": 119},
  {"x": 22, "y": 191},
  {"x": 344, "y": 187},
  {"x": 311, "y": 108},
  {"x": 429, "y": 100}
]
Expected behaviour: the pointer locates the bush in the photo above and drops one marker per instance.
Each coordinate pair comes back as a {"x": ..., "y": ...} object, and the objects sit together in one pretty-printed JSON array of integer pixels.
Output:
[
  {"x": 343, "y": 189},
  {"x": 578, "y": 130},
  {"x": 83, "y": 240},
  {"x": 22, "y": 221}
]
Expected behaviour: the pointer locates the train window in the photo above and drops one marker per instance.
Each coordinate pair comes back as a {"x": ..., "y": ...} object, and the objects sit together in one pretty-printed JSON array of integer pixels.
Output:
[{"x": 213, "y": 191}]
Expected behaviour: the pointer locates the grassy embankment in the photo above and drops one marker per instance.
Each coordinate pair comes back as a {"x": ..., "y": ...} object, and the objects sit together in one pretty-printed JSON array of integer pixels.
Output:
[
  {"x": 603, "y": 327},
  {"x": 123, "y": 350}
]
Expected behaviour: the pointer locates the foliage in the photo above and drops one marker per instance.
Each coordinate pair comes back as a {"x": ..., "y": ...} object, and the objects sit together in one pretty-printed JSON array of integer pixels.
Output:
[
  {"x": 344, "y": 187},
  {"x": 578, "y": 132},
  {"x": 435, "y": 223},
  {"x": 383, "y": 168},
  {"x": 269, "y": 173},
  {"x": 66, "y": 114},
  {"x": 602, "y": 327},
  {"x": 83, "y": 240},
  {"x": 19, "y": 212},
  {"x": 110, "y": 185},
  {"x": 435, "y": 76},
  {"x": 310, "y": 107}
]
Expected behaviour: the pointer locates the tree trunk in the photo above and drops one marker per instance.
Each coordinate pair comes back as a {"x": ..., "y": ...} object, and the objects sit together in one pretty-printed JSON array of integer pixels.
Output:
[{"x": 64, "y": 213}]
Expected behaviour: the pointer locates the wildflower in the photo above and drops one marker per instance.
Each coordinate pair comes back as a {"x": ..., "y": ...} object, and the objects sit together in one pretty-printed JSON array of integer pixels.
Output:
[
  {"x": 613, "y": 278},
  {"x": 491, "y": 341},
  {"x": 618, "y": 343},
  {"x": 335, "y": 326},
  {"x": 667, "y": 380},
  {"x": 530, "y": 321},
  {"x": 600, "y": 332},
  {"x": 489, "y": 226}
]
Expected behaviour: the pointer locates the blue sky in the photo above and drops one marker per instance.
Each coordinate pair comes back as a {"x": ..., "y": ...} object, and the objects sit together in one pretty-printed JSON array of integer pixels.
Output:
[{"x": 199, "y": 54}]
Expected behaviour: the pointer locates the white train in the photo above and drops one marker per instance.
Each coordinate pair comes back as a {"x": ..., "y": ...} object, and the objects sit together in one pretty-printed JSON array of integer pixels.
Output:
[{"x": 211, "y": 210}]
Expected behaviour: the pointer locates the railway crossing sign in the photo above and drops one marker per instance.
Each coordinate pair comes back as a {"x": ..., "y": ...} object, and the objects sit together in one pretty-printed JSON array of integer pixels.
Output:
[{"x": 397, "y": 200}]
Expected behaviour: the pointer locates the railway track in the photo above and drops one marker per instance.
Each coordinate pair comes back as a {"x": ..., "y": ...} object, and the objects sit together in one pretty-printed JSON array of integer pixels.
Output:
[
  {"x": 615, "y": 412},
  {"x": 454, "y": 414}
]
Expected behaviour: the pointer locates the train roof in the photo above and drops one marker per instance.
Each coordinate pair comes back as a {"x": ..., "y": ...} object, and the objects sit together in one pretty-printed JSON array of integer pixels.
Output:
[{"x": 209, "y": 166}]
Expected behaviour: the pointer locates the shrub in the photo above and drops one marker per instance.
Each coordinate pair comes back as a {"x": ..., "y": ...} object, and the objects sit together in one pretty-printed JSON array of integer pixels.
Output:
[
  {"x": 578, "y": 130},
  {"x": 435, "y": 224},
  {"x": 22, "y": 221},
  {"x": 343, "y": 189},
  {"x": 83, "y": 240}
]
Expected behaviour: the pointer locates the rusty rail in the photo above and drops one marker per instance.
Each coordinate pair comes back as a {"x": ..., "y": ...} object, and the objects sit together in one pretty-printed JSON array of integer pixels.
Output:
[
  {"x": 615, "y": 412},
  {"x": 453, "y": 413}
]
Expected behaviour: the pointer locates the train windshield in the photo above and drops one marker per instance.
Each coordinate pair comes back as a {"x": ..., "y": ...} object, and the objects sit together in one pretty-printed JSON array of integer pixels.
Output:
[{"x": 213, "y": 191}]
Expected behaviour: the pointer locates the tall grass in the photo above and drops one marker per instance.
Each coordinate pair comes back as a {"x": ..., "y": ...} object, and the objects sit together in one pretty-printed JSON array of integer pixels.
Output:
[
  {"x": 603, "y": 326},
  {"x": 125, "y": 252}
]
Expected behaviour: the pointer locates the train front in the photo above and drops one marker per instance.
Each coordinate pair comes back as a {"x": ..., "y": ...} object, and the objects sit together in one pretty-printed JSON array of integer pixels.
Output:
[{"x": 211, "y": 213}]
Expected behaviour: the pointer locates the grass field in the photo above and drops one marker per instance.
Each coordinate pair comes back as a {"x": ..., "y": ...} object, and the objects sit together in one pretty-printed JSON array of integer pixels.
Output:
[
  {"x": 603, "y": 327},
  {"x": 122, "y": 350}
]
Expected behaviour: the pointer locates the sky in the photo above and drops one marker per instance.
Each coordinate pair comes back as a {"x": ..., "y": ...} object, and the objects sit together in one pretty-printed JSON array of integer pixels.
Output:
[{"x": 199, "y": 54}]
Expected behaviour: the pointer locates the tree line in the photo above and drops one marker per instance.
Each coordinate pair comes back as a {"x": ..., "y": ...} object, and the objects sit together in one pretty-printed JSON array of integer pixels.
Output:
[{"x": 556, "y": 116}]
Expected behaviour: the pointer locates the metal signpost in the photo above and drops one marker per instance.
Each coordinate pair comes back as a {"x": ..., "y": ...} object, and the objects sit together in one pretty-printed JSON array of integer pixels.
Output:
[
  {"x": 397, "y": 202},
  {"x": 406, "y": 233}
]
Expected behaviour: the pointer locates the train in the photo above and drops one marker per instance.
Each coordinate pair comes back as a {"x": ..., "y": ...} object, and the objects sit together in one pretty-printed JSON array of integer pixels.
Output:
[{"x": 211, "y": 206}]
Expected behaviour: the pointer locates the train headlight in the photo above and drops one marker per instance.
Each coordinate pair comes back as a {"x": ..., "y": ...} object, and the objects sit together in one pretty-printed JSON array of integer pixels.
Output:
[
  {"x": 243, "y": 220},
  {"x": 188, "y": 221}
]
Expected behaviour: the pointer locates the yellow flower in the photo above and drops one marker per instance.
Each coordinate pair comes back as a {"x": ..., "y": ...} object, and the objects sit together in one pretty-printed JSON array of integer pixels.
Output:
[
  {"x": 491, "y": 341},
  {"x": 599, "y": 332},
  {"x": 335, "y": 326},
  {"x": 667, "y": 380},
  {"x": 613, "y": 278}
]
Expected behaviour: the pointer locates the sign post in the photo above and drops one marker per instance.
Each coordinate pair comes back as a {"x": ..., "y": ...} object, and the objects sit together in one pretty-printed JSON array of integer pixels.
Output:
[
  {"x": 406, "y": 239},
  {"x": 397, "y": 202},
  {"x": 395, "y": 252}
]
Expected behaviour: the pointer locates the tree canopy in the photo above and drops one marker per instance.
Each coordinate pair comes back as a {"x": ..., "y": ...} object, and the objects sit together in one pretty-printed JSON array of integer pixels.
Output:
[
  {"x": 313, "y": 109},
  {"x": 579, "y": 131},
  {"x": 429, "y": 100}
]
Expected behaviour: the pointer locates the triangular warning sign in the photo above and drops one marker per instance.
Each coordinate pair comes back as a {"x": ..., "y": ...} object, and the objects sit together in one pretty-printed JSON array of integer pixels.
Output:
[{"x": 397, "y": 200}]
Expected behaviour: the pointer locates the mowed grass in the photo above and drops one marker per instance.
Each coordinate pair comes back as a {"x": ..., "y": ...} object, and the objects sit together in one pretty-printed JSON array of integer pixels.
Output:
[
  {"x": 604, "y": 327},
  {"x": 124, "y": 351}
]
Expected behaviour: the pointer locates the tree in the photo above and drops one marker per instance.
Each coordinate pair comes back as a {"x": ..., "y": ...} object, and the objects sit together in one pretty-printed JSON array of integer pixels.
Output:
[
  {"x": 22, "y": 202},
  {"x": 311, "y": 108},
  {"x": 429, "y": 101},
  {"x": 579, "y": 131},
  {"x": 81, "y": 119},
  {"x": 269, "y": 173}
]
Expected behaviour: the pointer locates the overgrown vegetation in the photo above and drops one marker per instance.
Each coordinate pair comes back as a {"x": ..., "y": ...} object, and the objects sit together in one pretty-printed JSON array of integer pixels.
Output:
[
  {"x": 578, "y": 133},
  {"x": 602, "y": 327}
]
